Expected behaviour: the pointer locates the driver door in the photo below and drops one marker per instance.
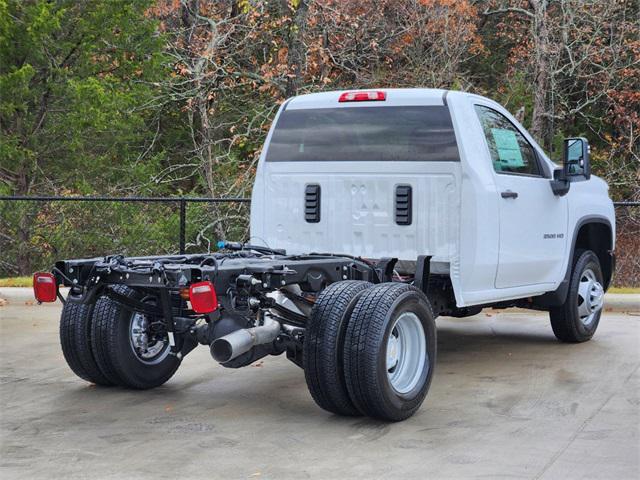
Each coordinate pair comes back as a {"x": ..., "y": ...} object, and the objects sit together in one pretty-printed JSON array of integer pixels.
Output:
[{"x": 533, "y": 221}]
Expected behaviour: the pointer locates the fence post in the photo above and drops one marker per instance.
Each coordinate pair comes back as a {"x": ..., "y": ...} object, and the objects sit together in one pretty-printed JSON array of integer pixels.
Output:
[{"x": 183, "y": 224}]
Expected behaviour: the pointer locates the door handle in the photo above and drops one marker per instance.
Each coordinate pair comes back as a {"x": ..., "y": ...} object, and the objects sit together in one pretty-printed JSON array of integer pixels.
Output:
[{"x": 509, "y": 194}]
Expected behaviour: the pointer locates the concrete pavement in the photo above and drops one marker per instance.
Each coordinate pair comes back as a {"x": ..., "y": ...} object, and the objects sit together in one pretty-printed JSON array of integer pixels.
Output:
[{"x": 507, "y": 401}]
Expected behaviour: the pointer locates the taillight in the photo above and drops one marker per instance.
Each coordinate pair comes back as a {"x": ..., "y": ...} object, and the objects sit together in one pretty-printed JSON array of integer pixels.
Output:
[
  {"x": 371, "y": 96},
  {"x": 203, "y": 297},
  {"x": 44, "y": 287}
]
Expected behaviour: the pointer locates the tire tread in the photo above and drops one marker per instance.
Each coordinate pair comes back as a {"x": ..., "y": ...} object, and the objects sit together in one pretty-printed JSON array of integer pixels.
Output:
[
  {"x": 100, "y": 339},
  {"x": 76, "y": 325},
  {"x": 322, "y": 351}
]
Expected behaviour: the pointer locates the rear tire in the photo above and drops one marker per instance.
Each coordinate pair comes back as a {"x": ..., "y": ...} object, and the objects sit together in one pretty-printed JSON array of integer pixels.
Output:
[
  {"x": 324, "y": 344},
  {"x": 116, "y": 354},
  {"x": 577, "y": 319},
  {"x": 75, "y": 340},
  {"x": 388, "y": 378}
]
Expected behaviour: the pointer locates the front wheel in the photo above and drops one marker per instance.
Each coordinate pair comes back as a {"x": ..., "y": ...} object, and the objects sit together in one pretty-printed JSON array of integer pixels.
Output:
[
  {"x": 577, "y": 319},
  {"x": 390, "y": 351}
]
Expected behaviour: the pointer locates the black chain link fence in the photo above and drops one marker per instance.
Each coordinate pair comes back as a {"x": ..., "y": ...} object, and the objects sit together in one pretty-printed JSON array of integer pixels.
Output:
[
  {"x": 627, "y": 244},
  {"x": 37, "y": 231}
]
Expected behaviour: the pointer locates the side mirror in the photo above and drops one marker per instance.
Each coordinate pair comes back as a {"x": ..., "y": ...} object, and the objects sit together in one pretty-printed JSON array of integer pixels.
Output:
[
  {"x": 576, "y": 160},
  {"x": 560, "y": 184}
]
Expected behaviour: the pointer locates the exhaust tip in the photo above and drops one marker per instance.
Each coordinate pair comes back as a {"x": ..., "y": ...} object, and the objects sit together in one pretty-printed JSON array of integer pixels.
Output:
[{"x": 221, "y": 350}]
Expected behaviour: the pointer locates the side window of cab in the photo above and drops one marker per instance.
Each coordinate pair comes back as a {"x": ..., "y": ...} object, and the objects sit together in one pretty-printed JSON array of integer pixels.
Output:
[{"x": 511, "y": 153}]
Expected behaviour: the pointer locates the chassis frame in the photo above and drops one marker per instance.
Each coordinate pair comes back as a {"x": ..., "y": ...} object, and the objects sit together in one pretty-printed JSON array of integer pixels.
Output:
[{"x": 243, "y": 277}]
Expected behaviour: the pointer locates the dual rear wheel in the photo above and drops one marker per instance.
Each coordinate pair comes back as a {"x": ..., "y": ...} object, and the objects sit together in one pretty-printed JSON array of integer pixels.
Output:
[
  {"x": 107, "y": 344},
  {"x": 370, "y": 350}
]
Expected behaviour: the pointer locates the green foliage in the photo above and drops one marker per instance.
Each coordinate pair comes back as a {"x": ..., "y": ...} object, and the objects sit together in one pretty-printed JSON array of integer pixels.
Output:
[
  {"x": 75, "y": 79},
  {"x": 76, "y": 83}
]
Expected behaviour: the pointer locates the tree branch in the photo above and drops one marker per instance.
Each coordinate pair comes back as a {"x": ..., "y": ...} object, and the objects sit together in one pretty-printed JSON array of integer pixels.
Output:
[{"x": 500, "y": 11}]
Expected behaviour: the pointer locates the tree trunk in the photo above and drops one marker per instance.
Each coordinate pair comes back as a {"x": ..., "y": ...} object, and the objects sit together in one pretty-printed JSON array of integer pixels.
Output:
[
  {"x": 24, "y": 252},
  {"x": 296, "y": 54},
  {"x": 540, "y": 121},
  {"x": 25, "y": 224}
]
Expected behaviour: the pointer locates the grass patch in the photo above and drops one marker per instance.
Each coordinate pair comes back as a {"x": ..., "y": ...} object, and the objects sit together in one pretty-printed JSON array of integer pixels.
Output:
[
  {"x": 16, "y": 282},
  {"x": 624, "y": 290}
]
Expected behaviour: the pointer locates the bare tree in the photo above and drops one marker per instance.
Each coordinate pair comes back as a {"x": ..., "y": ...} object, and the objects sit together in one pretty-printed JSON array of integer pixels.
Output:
[
  {"x": 397, "y": 43},
  {"x": 579, "y": 50}
]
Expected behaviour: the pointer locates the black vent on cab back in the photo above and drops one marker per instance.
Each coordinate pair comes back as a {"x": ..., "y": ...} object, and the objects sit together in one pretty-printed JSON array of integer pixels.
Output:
[
  {"x": 312, "y": 203},
  {"x": 403, "y": 205}
]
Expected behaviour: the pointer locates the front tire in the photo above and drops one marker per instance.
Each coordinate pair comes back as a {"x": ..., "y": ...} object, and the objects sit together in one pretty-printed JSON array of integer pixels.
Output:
[
  {"x": 390, "y": 351},
  {"x": 578, "y": 318},
  {"x": 124, "y": 355}
]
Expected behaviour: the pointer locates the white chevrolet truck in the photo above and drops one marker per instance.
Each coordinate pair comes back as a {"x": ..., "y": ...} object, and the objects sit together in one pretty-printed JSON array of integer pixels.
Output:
[{"x": 373, "y": 212}]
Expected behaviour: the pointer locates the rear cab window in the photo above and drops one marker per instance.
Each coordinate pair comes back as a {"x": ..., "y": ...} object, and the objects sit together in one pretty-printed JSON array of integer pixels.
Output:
[{"x": 364, "y": 133}]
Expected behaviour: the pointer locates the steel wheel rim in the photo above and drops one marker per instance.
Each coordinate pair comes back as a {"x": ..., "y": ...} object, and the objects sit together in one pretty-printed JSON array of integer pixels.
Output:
[
  {"x": 590, "y": 297},
  {"x": 406, "y": 353},
  {"x": 147, "y": 352}
]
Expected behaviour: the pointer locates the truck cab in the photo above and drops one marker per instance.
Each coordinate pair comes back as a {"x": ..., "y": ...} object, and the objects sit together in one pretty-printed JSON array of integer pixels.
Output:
[{"x": 409, "y": 172}]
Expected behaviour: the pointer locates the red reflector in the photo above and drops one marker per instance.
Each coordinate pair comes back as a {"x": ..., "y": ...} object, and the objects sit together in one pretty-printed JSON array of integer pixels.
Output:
[
  {"x": 371, "y": 96},
  {"x": 203, "y": 297},
  {"x": 44, "y": 287}
]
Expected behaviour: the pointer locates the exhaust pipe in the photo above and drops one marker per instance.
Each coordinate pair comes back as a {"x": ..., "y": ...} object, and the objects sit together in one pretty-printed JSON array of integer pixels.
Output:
[{"x": 225, "y": 349}]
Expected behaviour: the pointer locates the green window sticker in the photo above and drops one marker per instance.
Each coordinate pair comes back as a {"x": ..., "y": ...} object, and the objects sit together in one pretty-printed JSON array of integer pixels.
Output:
[{"x": 508, "y": 149}]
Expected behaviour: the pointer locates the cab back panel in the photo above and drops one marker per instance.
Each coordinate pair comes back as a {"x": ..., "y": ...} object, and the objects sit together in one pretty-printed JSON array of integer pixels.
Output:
[
  {"x": 358, "y": 154},
  {"x": 357, "y": 209}
]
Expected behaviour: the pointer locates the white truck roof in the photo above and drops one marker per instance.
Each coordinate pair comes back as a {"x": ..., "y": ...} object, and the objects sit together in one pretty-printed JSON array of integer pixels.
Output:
[{"x": 395, "y": 97}]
